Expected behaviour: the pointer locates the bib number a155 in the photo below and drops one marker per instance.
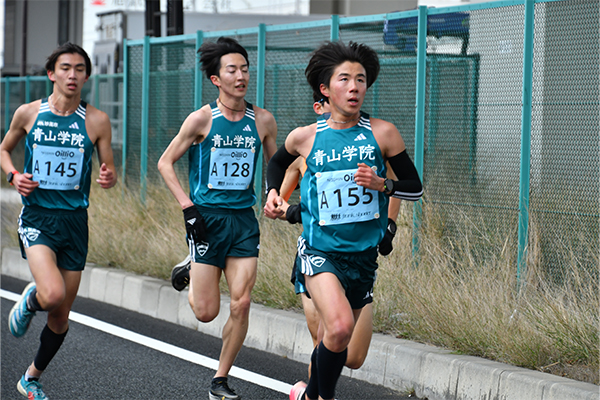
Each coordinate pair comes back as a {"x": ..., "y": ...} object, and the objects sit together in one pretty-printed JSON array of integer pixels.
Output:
[
  {"x": 57, "y": 168},
  {"x": 230, "y": 169},
  {"x": 342, "y": 201}
]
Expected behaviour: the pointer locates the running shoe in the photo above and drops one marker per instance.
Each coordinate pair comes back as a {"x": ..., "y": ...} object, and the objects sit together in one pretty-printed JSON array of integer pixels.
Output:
[
  {"x": 297, "y": 392},
  {"x": 20, "y": 317},
  {"x": 180, "y": 275},
  {"x": 219, "y": 390},
  {"x": 31, "y": 389}
]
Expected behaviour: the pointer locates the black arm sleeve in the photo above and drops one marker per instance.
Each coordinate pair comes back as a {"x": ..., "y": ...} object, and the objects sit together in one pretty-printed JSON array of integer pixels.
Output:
[
  {"x": 276, "y": 168},
  {"x": 294, "y": 214},
  {"x": 408, "y": 186}
]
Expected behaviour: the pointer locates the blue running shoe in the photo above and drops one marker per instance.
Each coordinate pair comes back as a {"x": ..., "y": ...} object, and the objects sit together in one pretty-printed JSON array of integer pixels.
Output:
[
  {"x": 20, "y": 317},
  {"x": 31, "y": 389}
]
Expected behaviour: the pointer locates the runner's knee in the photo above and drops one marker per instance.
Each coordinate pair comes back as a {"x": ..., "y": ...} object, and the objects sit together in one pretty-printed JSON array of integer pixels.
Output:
[{"x": 50, "y": 298}]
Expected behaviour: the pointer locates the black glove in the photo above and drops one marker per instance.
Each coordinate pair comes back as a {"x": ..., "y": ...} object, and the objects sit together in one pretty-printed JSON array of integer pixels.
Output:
[
  {"x": 385, "y": 246},
  {"x": 293, "y": 215},
  {"x": 194, "y": 224}
]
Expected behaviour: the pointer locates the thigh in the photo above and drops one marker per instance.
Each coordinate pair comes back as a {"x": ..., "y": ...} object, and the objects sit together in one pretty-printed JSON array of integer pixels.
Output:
[
  {"x": 205, "y": 283},
  {"x": 363, "y": 331},
  {"x": 44, "y": 269},
  {"x": 329, "y": 299},
  {"x": 312, "y": 317},
  {"x": 240, "y": 273}
]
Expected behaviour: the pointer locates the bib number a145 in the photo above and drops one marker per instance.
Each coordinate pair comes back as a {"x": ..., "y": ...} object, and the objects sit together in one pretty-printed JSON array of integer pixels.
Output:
[
  {"x": 57, "y": 168},
  {"x": 342, "y": 201}
]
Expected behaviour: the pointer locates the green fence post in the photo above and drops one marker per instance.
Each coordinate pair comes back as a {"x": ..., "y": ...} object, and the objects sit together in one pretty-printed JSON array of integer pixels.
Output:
[
  {"x": 260, "y": 102},
  {"x": 198, "y": 73},
  {"x": 6, "y": 104},
  {"x": 525, "y": 141},
  {"x": 125, "y": 114},
  {"x": 335, "y": 28},
  {"x": 145, "y": 109},
  {"x": 420, "y": 118},
  {"x": 27, "y": 88},
  {"x": 96, "y": 91}
]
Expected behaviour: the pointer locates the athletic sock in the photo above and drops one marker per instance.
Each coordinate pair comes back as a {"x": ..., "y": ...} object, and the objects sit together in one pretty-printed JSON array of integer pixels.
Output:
[
  {"x": 50, "y": 342},
  {"x": 329, "y": 368},
  {"x": 30, "y": 378},
  {"x": 312, "y": 389},
  {"x": 32, "y": 302}
]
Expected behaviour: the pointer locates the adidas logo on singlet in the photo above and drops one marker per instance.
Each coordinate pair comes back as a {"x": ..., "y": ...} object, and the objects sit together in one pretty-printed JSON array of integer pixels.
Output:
[
  {"x": 247, "y": 128},
  {"x": 74, "y": 125},
  {"x": 360, "y": 137}
]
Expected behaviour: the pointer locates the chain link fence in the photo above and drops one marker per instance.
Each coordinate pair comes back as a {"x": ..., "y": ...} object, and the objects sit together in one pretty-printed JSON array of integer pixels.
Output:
[{"x": 475, "y": 120}]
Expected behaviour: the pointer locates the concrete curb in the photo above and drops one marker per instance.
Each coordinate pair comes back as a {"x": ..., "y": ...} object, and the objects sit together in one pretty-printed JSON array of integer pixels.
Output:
[{"x": 432, "y": 373}]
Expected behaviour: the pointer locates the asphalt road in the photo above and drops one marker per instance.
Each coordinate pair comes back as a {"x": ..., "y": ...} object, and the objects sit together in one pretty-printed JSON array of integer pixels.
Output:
[{"x": 96, "y": 364}]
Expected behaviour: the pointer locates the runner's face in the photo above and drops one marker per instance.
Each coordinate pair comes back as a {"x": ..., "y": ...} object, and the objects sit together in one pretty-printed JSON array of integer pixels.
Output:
[
  {"x": 233, "y": 75},
  {"x": 69, "y": 74},
  {"x": 347, "y": 88}
]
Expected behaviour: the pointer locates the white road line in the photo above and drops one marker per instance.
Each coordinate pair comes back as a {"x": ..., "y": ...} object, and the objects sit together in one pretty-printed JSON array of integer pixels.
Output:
[{"x": 175, "y": 351}]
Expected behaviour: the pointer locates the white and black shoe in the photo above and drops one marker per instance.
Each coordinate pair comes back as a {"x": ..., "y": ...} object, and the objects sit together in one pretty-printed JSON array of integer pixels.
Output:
[
  {"x": 180, "y": 274},
  {"x": 219, "y": 390}
]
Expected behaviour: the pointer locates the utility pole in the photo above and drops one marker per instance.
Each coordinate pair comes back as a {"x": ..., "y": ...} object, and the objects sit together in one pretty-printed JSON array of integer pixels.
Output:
[{"x": 24, "y": 43}]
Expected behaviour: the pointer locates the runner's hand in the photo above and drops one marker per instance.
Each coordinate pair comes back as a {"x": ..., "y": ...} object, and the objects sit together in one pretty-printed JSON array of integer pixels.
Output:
[
  {"x": 194, "y": 224},
  {"x": 24, "y": 184},
  {"x": 385, "y": 246}
]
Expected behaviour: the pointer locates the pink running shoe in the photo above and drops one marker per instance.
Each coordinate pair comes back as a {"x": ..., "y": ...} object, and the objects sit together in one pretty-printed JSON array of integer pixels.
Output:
[{"x": 297, "y": 392}]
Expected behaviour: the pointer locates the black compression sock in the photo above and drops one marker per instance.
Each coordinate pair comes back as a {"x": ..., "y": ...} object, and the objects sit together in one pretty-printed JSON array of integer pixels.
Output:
[
  {"x": 50, "y": 342},
  {"x": 329, "y": 368},
  {"x": 32, "y": 302},
  {"x": 312, "y": 389}
]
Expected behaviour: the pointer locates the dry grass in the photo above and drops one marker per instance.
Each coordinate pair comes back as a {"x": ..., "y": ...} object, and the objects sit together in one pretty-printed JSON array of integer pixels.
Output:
[
  {"x": 124, "y": 233},
  {"x": 461, "y": 294}
]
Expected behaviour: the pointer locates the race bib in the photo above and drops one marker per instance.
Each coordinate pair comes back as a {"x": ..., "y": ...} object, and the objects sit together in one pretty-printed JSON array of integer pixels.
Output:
[
  {"x": 230, "y": 169},
  {"x": 342, "y": 201},
  {"x": 57, "y": 168}
]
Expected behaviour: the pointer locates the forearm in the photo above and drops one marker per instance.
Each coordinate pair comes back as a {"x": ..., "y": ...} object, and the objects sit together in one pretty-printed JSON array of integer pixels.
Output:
[
  {"x": 408, "y": 184},
  {"x": 170, "y": 177},
  {"x": 277, "y": 167},
  {"x": 7, "y": 164}
]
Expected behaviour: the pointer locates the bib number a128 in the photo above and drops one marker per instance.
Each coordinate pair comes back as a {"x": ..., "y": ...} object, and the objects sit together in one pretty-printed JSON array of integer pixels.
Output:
[
  {"x": 57, "y": 168},
  {"x": 230, "y": 169},
  {"x": 342, "y": 201}
]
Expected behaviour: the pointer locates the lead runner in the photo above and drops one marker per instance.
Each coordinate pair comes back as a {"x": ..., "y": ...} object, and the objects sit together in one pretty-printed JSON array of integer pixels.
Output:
[{"x": 344, "y": 201}]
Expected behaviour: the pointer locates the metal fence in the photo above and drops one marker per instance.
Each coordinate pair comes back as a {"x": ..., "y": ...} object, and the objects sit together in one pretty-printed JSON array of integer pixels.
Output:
[{"x": 497, "y": 103}]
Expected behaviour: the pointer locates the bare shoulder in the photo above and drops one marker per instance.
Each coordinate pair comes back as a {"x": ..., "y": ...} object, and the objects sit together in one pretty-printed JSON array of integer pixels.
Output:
[
  {"x": 198, "y": 120},
  {"x": 96, "y": 116},
  {"x": 262, "y": 114},
  {"x": 301, "y": 139},
  {"x": 196, "y": 125},
  {"x": 263, "y": 117},
  {"x": 25, "y": 115},
  {"x": 97, "y": 124},
  {"x": 383, "y": 127},
  {"x": 388, "y": 137}
]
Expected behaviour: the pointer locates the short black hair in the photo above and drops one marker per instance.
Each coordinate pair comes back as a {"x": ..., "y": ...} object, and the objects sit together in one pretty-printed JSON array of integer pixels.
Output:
[
  {"x": 68, "y": 48},
  {"x": 211, "y": 53},
  {"x": 326, "y": 58}
]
